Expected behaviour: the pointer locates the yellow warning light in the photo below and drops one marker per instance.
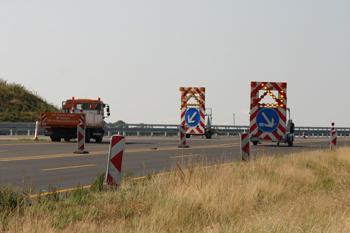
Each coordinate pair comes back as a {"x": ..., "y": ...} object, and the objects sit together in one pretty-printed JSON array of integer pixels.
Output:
[
  {"x": 265, "y": 87},
  {"x": 274, "y": 97},
  {"x": 272, "y": 105},
  {"x": 281, "y": 91},
  {"x": 282, "y": 101},
  {"x": 262, "y": 84},
  {"x": 281, "y": 105},
  {"x": 202, "y": 89},
  {"x": 268, "y": 90},
  {"x": 271, "y": 93},
  {"x": 282, "y": 96},
  {"x": 181, "y": 89},
  {"x": 276, "y": 105},
  {"x": 268, "y": 105}
]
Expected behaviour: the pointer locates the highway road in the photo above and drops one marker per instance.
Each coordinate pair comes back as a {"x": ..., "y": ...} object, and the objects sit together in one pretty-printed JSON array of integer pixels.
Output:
[{"x": 45, "y": 163}]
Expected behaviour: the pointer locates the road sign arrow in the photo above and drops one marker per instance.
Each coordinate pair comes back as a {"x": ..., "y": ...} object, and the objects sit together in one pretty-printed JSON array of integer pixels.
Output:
[
  {"x": 190, "y": 119},
  {"x": 269, "y": 123}
]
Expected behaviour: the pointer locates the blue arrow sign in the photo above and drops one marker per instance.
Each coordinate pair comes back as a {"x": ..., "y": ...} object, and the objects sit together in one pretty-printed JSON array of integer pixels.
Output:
[
  {"x": 267, "y": 119},
  {"x": 192, "y": 117}
]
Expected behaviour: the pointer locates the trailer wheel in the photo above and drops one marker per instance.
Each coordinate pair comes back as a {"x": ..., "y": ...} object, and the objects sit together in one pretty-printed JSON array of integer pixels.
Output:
[
  {"x": 255, "y": 143},
  {"x": 208, "y": 135}
]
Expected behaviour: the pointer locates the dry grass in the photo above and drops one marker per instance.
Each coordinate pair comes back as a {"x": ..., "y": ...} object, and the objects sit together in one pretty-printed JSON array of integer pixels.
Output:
[{"x": 309, "y": 192}]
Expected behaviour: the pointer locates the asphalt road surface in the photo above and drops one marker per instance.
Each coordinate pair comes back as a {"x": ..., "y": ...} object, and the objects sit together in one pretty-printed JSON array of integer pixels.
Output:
[{"x": 45, "y": 163}]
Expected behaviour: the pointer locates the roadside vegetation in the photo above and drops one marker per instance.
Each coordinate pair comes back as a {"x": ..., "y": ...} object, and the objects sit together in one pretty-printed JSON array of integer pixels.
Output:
[
  {"x": 308, "y": 192},
  {"x": 21, "y": 105}
]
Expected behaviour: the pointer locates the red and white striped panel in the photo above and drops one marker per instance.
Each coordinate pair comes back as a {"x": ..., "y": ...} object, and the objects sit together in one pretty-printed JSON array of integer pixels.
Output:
[
  {"x": 256, "y": 106},
  {"x": 200, "y": 128},
  {"x": 43, "y": 118},
  {"x": 81, "y": 137},
  {"x": 115, "y": 159},
  {"x": 245, "y": 147},
  {"x": 333, "y": 140},
  {"x": 82, "y": 119}
]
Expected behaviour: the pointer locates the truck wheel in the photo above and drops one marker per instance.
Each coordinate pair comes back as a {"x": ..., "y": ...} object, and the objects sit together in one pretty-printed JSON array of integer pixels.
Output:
[
  {"x": 290, "y": 143},
  {"x": 67, "y": 139},
  {"x": 255, "y": 143},
  {"x": 188, "y": 135},
  {"x": 208, "y": 135},
  {"x": 99, "y": 139}
]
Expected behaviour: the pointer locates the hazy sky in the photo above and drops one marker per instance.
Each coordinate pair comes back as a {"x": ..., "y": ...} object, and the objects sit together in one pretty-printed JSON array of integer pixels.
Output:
[{"x": 135, "y": 54}]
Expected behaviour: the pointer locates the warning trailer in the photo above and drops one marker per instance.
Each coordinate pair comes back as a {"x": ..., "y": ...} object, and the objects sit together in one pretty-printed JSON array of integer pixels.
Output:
[
  {"x": 268, "y": 119},
  {"x": 193, "y": 114}
]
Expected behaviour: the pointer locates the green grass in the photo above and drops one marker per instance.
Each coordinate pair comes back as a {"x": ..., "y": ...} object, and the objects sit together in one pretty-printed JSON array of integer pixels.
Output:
[{"x": 21, "y": 105}]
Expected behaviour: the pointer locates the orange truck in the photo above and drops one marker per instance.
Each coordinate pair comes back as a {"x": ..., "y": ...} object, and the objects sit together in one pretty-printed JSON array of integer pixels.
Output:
[{"x": 75, "y": 111}]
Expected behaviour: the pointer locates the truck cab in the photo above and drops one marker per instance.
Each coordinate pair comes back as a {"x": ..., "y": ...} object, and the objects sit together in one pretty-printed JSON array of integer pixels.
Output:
[{"x": 74, "y": 111}]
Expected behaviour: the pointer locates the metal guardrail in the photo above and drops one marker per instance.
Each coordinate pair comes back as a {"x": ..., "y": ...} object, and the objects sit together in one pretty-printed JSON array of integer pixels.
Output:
[{"x": 28, "y": 128}]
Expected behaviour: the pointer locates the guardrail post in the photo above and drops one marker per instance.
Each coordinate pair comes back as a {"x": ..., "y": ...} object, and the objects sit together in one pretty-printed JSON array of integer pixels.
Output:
[
  {"x": 28, "y": 133},
  {"x": 165, "y": 134},
  {"x": 11, "y": 133},
  {"x": 124, "y": 133},
  {"x": 151, "y": 134},
  {"x": 109, "y": 133},
  {"x": 138, "y": 134}
]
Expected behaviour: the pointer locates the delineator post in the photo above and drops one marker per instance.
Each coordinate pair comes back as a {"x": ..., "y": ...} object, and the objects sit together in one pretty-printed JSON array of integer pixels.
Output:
[
  {"x": 182, "y": 129},
  {"x": 115, "y": 159},
  {"x": 245, "y": 147},
  {"x": 81, "y": 140},
  {"x": 333, "y": 138}
]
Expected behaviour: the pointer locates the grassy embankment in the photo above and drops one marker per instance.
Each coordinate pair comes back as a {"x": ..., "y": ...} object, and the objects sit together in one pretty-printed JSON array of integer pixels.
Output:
[
  {"x": 21, "y": 105},
  {"x": 309, "y": 192}
]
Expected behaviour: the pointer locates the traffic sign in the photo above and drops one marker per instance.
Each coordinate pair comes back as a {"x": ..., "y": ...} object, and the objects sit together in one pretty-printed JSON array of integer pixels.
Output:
[
  {"x": 192, "y": 117},
  {"x": 267, "y": 119}
]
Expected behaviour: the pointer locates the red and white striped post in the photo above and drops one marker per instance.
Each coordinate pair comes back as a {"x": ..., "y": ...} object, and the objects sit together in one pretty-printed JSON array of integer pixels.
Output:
[
  {"x": 304, "y": 134},
  {"x": 182, "y": 129},
  {"x": 81, "y": 140},
  {"x": 333, "y": 138},
  {"x": 73, "y": 109},
  {"x": 245, "y": 147},
  {"x": 115, "y": 159}
]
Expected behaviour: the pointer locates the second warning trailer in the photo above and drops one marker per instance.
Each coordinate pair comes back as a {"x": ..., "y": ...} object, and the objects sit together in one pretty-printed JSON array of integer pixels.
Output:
[{"x": 268, "y": 107}]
